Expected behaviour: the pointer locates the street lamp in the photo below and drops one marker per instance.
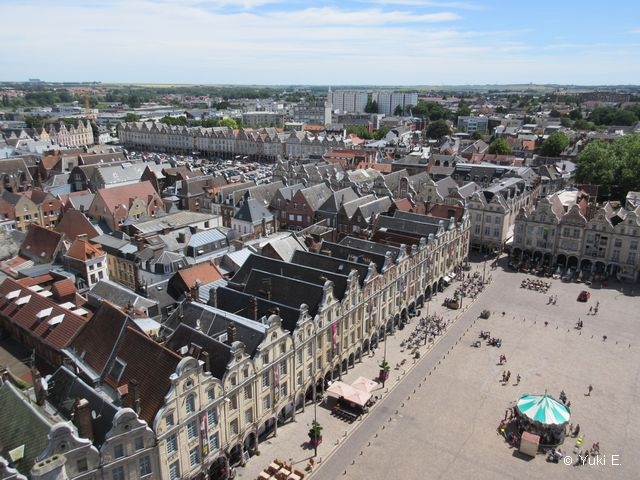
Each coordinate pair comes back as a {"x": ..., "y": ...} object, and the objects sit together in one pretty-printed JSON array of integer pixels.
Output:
[
  {"x": 384, "y": 366},
  {"x": 484, "y": 268}
]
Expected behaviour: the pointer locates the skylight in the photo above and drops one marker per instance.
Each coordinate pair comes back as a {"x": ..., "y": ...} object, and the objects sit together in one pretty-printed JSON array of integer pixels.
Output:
[
  {"x": 56, "y": 320},
  {"x": 24, "y": 300},
  {"x": 44, "y": 312}
]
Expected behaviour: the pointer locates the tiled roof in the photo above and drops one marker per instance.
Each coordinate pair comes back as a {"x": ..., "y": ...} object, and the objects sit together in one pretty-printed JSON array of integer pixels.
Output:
[
  {"x": 202, "y": 273},
  {"x": 83, "y": 250},
  {"x": 75, "y": 223},
  {"x": 110, "y": 335},
  {"x": 115, "y": 196},
  {"x": 40, "y": 243},
  {"x": 63, "y": 289},
  {"x": 43, "y": 318}
]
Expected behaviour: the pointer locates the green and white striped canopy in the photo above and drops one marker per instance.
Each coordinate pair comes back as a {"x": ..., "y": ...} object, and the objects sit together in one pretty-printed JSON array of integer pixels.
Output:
[{"x": 543, "y": 409}]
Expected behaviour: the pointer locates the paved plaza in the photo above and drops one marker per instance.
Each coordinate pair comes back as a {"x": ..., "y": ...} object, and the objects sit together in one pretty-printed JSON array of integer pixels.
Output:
[{"x": 438, "y": 416}]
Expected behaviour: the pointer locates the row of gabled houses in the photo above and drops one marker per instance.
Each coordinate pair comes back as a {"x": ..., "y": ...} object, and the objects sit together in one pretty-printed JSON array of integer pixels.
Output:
[
  {"x": 567, "y": 230},
  {"x": 265, "y": 144},
  {"x": 230, "y": 361}
]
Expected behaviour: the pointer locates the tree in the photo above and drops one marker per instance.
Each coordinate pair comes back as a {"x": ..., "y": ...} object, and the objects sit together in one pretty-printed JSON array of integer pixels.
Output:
[
  {"x": 438, "y": 129},
  {"x": 575, "y": 114},
  {"x": 464, "y": 110},
  {"x": 500, "y": 147},
  {"x": 398, "y": 111},
  {"x": 359, "y": 130},
  {"x": 611, "y": 164},
  {"x": 554, "y": 145},
  {"x": 380, "y": 133},
  {"x": 371, "y": 107},
  {"x": 554, "y": 113},
  {"x": 132, "y": 117},
  {"x": 34, "y": 122}
]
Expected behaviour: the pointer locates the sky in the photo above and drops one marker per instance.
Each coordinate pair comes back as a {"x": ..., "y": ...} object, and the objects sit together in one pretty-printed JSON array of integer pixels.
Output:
[{"x": 339, "y": 43}]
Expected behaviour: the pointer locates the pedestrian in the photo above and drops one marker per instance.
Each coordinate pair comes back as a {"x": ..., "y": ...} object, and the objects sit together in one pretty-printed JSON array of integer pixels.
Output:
[
  {"x": 568, "y": 404},
  {"x": 576, "y": 432},
  {"x": 590, "y": 310},
  {"x": 508, "y": 375},
  {"x": 504, "y": 376},
  {"x": 518, "y": 379},
  {"x": 589, "y": 389}
]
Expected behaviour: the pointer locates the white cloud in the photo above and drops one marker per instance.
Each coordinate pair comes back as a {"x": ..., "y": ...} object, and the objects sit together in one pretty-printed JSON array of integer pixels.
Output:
[{"x": 199, "y": 41}]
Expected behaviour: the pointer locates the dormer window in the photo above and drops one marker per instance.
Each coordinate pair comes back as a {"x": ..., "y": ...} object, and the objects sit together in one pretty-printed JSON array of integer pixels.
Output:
[{"x": 118, "y": 369}]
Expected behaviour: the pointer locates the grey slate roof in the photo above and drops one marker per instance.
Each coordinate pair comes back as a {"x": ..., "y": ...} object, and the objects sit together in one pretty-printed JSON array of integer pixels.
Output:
[
  {"x": 214, "y": 321},
  {"x": 355, "y": 250},
  {"x": 330, "y": 265},
  {"x": 206, "y": 237},
  {"x": 317, "y": 195},
  {"x": 253, "y": 211},
  {"x": 351, "y": 207},
  {"x": 21, "y": 424},
  {"x": 406, "y": 226},
  {"x": 65, "y": 387},
  {"x": 219, "y": 352},
  {"x": 335, "y": 201}
]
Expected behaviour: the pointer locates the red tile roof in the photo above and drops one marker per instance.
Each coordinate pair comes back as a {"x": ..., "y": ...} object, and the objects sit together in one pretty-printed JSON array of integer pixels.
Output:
[
  {"x": 110, "y": 335},
  {"x": 30, "y": 311},
  {"x": 64, "y": 289},
  {"x": 40, "y": 243},
  {"x": 39, "y": 280},
  {"x": 116, "y": 196},
  {"x": 83, "y": 250},
  {"x": 203, "y": 272},
  {"x": 74, "y": 223}
]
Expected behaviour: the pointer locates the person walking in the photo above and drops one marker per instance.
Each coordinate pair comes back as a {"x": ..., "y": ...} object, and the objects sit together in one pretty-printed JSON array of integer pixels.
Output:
[
  {"x": 589, "y": 390},
  {"x": 518, "y": 379}
]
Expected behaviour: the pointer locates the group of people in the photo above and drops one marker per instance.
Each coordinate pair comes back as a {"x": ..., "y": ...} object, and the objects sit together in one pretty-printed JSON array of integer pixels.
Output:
[{"x": 536, "y": 284}]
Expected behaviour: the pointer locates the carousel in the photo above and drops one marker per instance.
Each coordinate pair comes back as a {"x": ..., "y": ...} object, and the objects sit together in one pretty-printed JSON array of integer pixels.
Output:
[{"x": 539, "y": 423}]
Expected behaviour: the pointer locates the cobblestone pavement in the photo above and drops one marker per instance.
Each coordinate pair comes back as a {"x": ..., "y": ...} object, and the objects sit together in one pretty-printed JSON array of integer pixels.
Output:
[{"x": 438, "y": 416}]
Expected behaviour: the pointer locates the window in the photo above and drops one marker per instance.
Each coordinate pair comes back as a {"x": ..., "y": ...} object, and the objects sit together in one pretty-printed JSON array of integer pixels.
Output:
[
  {"x": 233, "y": 426},
  {"x": 138, "y": 443},
  {"x": 145, "y": 466},
  {"x": 309, "y": 371},
  {"x": 497, "y": 222},
  {"x": 81, "y": 465},
  {"x": 211, "y": 394},
  {"x": 118, "y": 451},
  {"x": 212, "y": 417},
  {"x": 247, "y": 392},
  {"x": 174, "y": 471},
  {"x": 283, "y": 389},
  {"x": 192, "y": 430},
  {"x": 169, "y": 420},
  {"x": 118, "y": 473},
  {"x": 191, "y": 403},
  {"x": 194, "y": 456},
  {"x": 265, "y": 380},
  {"x": 172, "y": 444},
  {"x": 283, "y": 367},
  {"x": 266, "y": 402},
  {"x": 214, "y": 443},
  {"x": 233, "y": 402},
  {"x": 118, "y": 368},
  {"x": 299, "y": 379},
  {"x": 248, "y": 416}
]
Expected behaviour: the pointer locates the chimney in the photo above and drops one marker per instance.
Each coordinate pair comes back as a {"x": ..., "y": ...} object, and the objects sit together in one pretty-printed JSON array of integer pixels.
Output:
[
  {"x": 213, "y": 297},
  {"x": 207, "y": 362},
  {"x": 51, "y": 468},
  {"x": 253, "y": 308},
  {"x": 231, "y": 333},
  {"x": 134, "y": 394},
  {"x": 82, "y": 418},
  {"x": 38, "y": 387}
]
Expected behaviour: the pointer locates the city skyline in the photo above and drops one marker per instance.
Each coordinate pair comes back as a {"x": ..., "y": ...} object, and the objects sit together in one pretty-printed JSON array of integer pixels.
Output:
[{"x": 391, "y": 42}]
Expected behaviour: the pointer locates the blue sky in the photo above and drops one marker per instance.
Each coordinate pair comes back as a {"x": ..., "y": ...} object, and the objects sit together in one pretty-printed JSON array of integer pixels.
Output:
[{"x": 374, "y": 42}]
